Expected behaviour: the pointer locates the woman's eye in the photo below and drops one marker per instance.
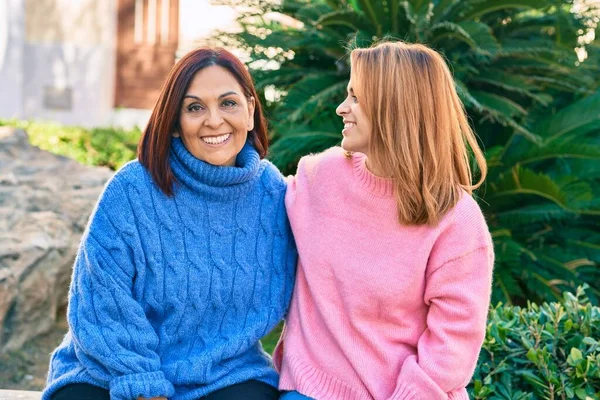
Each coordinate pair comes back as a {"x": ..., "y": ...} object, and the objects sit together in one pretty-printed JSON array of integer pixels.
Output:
[
  {"x": 194, "y": 108},
  {"x": 229, "y": 103},
  {"x": 355, "y": 99}
]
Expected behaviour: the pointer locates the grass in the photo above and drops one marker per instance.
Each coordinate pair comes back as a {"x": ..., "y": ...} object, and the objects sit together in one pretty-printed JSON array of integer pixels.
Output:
[
  {"x": 270, "y": 341},
  {"x": 110, "y": 147}
]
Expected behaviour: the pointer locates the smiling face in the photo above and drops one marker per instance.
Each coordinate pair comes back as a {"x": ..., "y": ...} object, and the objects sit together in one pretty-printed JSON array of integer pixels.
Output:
[
  {"x": 215, "y": 116},
  {"x": 357, "y": 126}
]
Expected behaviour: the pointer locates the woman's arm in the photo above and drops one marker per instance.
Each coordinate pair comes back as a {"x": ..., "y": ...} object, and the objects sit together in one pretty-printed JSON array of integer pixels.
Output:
[
  {"x": 113, "y": 338},
  {"x": 458, "y": 296}
]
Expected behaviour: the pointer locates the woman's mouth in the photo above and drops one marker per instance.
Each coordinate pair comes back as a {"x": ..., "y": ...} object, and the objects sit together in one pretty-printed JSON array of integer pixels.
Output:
[
  {"x": 347, "y": 126},
  {"x": 216, "y": 140}
]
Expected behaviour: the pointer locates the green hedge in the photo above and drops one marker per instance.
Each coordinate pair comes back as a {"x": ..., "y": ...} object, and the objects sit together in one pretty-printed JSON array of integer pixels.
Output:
[
  {"x": 110, "y": 147},
  {"x": 541, "y": 352}
]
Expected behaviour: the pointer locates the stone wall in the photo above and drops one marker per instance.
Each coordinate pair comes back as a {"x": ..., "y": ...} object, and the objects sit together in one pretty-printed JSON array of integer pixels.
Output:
[{"x": 45, "y": 202}]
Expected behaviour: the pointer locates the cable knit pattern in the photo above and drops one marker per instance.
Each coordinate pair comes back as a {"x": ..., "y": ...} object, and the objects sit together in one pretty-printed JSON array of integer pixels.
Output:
[
  {"x": 380, "y": 310},
  {"x": 170, "y": 295}
]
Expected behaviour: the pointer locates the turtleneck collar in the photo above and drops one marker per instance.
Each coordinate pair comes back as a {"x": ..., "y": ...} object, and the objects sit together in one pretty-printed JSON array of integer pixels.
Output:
[
  {"x": 216, "y": 181},
  {"x": 377, "y": 185}
]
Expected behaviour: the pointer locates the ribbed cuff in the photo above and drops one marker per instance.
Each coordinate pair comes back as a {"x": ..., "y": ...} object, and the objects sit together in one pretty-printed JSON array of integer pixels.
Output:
[
  {"x": 147, "y": 385},
  {"x": 458, "y": 395},
  {"x": 415, "y": 384},
  {"x": 405, "y": 392},
  {"x": 408, "y": 392}
]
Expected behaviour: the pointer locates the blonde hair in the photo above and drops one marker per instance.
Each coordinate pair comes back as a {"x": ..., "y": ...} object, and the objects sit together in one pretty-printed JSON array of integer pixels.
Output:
[{"x": 420, "y": 134}]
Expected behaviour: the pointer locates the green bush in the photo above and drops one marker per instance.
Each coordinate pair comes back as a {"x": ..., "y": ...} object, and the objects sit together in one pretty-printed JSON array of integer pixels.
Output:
[
  {"x": 541, "y": 352},
  {"x": 110, "y": 147}
]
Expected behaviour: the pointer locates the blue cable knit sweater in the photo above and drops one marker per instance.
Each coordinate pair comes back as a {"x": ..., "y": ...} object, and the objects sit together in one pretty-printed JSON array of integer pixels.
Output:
[{"x": 170, "y": 296}]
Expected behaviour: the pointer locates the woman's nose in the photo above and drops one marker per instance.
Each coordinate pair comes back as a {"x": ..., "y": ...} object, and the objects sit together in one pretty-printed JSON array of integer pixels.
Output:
[
  {"x": 342, "y": 109},
  {"x": 214, "y": 119}
]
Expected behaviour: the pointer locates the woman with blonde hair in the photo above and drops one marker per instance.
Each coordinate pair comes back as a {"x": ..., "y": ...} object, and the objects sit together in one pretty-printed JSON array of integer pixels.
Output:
[{"x": 395, "y": 257}]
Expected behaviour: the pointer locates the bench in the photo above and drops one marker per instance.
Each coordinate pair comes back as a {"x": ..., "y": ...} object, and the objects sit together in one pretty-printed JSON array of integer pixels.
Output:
[{"x": 19, "y": 395}]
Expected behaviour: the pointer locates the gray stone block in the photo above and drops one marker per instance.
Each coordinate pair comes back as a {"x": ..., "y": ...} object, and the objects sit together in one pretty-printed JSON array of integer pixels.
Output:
[
  {"x": 45, "y": 202},
  {"x": 19, "y": 395}
]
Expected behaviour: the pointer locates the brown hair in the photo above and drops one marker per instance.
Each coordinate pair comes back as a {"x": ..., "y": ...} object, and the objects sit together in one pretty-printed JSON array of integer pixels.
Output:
[
  {"x": 421, "y": 136},
  {"x": 154, "y": 145}
]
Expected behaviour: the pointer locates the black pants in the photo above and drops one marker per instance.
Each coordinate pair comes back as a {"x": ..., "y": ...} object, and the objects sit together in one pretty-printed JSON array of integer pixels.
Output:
[{"x": 250, "y": 390}]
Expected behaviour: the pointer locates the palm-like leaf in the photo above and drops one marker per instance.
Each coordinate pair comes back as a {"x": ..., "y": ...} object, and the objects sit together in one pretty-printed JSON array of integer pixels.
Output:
[
  {"x": 533, "y": 103},
  {"x": 478, "y": 9},
  {"x": 580, "y": 118},
  {"x": 287, "y": 151}
]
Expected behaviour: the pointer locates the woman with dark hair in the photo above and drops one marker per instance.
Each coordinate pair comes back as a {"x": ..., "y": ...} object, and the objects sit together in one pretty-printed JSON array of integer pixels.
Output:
[{"x": 188, "y": 259}]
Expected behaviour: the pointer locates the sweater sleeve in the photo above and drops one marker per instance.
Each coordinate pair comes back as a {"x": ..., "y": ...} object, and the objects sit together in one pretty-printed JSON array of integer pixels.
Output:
[
  {"x": 298, "y": 186},
  {"x": 458, "y": 296},
  {"x": 113, "y": 338}
]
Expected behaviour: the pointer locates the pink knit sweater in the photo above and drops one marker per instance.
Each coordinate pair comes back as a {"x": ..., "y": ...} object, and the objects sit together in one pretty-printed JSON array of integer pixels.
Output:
[{"x": 380, "y": 310}]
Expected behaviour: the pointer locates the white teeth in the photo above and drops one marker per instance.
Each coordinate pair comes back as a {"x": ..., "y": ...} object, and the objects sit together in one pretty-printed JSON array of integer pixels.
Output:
[
  {"x": 216, "y": 139},
  {"x": 349, "y": 125}
]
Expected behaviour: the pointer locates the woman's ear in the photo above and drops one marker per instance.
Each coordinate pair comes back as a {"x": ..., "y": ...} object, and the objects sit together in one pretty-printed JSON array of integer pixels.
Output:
[{"x": 251, "y": 109}]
